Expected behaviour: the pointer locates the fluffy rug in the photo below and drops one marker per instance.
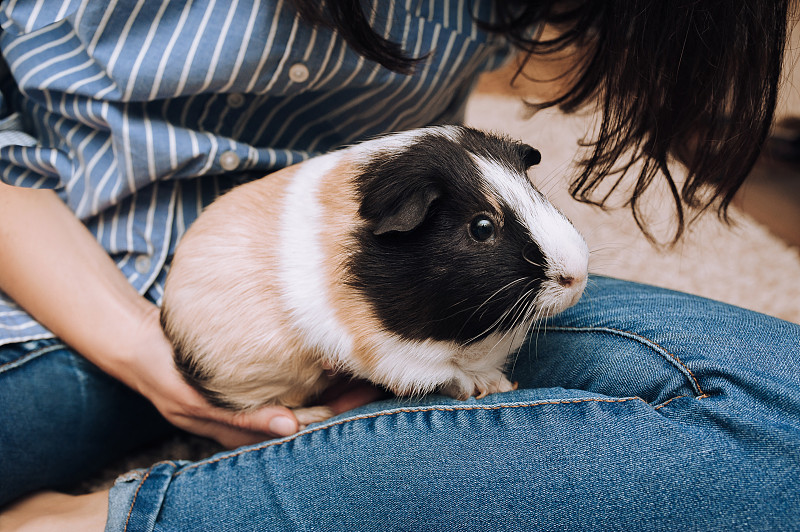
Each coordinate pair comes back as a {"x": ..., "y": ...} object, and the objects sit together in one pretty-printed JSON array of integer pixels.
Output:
[{"x": 743, "y": 265}]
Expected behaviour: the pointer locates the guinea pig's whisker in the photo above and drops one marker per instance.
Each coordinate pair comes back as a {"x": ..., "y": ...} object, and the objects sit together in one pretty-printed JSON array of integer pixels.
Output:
[
  {"x": 536, "y": 326},
  {"x": 527, "y": 304},
  {"x": 530, "y": 308},
  {"x": 518, "y": 309},
  {"x": 532, "y": 323},
  {"x": 492, "y": 326},
  {"x": 541, "y": 329},
  {"x": 457, "y": 303},
  {"x": 456, "y": 312},
  {"x": 530, "y": 320},
  {"x": 478, "y": 308},
  {"x": 495, "y": 294},
  {"x": 498, "y": 321},
  {"x": 529, "y": 260},
  {"x": 474, "y": 310},
  {"x": 534, "y": 317},
  {"x": 507, "y": 286},
  {"x": 524, "y": 318},
  {"x": 540, "y": 316},
  {"x": 532, "y": 263}
]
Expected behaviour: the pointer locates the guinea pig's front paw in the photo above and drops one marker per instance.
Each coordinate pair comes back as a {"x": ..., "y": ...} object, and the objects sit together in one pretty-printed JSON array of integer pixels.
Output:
[
  {"x": 478, "y": 386},
  {"x": 497, "y": 386},
  {"x": 312, "y": 414}
]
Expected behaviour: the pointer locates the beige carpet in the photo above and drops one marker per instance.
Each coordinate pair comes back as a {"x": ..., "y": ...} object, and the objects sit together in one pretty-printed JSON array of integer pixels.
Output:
[{"x": 744, "y": 265}]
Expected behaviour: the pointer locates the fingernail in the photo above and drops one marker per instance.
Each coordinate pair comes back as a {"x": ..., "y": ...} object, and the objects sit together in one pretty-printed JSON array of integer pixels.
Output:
[{"x": 282, "y": 426}]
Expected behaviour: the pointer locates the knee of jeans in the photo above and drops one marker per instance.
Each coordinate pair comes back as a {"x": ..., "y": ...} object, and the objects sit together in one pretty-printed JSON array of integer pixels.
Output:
[
  {"x": 626, "y": 339},
  {"x": 62, "y": 418},
  {"x": 604, "y": 361},
  {"x": 609, "y": 344}
]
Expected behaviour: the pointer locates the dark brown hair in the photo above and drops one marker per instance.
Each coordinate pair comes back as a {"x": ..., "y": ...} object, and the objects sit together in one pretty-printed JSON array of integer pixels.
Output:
[{"x": 695, "y": 80}]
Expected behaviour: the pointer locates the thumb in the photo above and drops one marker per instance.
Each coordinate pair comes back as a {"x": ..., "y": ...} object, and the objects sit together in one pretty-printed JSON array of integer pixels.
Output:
[{"x": 272, "y": 420}]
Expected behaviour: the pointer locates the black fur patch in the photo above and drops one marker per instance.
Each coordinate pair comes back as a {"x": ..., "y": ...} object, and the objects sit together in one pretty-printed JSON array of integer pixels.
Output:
[
  {"x": 434, "y": 281},
  {"x": 191, "y": 371}
]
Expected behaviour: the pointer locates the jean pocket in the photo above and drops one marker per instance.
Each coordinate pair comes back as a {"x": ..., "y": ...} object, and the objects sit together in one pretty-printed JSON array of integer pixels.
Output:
[
  {"x": 605, "y": 361},
  {"x": 17, "y": 354}
]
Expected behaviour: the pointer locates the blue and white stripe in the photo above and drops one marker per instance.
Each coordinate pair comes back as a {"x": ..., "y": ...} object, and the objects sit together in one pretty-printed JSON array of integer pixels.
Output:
[{"x": 140, "y": 113}]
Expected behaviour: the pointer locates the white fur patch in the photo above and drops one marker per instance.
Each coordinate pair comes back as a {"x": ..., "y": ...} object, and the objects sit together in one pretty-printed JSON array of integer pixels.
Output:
[
  {"x": 302, "y": 258},
  {"x": 398, "y": 142},
  {"x": 411, "y": 367},
  {"x": 419, "y": 367}
]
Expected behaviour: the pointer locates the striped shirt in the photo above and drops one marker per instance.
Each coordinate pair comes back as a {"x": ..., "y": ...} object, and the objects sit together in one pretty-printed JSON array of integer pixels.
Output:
[{"x": 140, "y": 113}]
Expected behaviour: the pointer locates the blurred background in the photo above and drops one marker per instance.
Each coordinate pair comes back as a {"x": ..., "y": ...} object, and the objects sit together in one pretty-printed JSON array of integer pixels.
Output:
[{"x": 753, "y": 263}]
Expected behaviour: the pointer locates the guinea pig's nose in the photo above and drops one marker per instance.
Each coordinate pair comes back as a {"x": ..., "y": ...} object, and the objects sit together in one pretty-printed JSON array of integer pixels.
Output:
[{"x": 566, "y": 280}]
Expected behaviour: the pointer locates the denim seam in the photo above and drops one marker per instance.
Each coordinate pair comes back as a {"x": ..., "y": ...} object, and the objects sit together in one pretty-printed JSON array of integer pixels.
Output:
[
  {"x": 668, "y": 401},
  {"x": 671, "y": 357},
  {"x": 403, "y": 411},
  {"x": 135, "y": 496},
  {"x": 139, "y": 487},
  {"x": 27, "y": 357}
]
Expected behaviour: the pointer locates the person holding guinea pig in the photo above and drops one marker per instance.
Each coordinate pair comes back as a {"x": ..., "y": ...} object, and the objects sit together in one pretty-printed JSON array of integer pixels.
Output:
[{"x": 637, "y": 408}]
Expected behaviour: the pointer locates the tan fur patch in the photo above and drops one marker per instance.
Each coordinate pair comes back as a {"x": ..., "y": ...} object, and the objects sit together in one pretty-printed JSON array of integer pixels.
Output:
[
  {"x": 221, "y": 304},
  {"x": 337, "y": 197}
]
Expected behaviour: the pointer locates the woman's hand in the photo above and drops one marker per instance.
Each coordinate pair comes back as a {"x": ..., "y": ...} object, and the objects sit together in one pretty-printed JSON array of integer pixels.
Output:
[
  {"x": 148, "y": 368},
  {"x": 146, "y": 365}
]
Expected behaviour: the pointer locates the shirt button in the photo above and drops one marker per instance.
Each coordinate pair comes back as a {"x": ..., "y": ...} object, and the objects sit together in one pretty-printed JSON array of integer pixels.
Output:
[
  {"x": 236, "y": 100},
  {"x": 229, "y": 160},
  {"x": 298, "y": 73},
  {"x": 142, "y": 264}
]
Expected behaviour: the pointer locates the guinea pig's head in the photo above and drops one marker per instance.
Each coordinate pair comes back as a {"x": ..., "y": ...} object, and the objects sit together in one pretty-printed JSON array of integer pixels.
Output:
[{"x": 456, "y": 243}]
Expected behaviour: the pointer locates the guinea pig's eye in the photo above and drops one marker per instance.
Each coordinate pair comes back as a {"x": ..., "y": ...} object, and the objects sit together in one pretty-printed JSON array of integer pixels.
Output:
[{"x": 481, "y": 228}]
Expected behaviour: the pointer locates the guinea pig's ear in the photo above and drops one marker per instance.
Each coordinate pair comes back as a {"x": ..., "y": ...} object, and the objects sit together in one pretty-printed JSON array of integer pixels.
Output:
[
  {"x": 409, "y": 213},
  {"x": 530, "y": 156}
]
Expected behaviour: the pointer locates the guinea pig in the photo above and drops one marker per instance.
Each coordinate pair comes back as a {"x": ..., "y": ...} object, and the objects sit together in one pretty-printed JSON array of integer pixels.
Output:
[{"x": 418, "y": 261}]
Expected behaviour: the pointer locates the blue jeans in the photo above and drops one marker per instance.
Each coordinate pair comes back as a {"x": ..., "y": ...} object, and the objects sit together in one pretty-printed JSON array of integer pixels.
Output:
[
  {"x": 638, "y": 409},
  {"x": 62, "y": 419}
]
